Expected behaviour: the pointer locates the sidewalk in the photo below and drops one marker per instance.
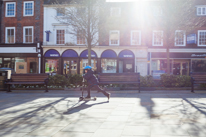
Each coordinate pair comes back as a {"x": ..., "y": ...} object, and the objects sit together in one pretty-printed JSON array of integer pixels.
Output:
[{"x": 128, "y": 113}]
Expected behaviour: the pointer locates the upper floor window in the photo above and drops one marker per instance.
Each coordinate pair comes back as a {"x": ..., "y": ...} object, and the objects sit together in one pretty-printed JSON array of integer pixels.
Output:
[
  {"x": 180, "y": 38},
  {"x": 28, "y": 34},
  {"x": 10, "y": 35},
  {"x": 80, "y": 38},
  {"x": 157, "y": 11},
  {"x": 60, "y": 36},
  {"x": 157, "y": 38},
  {"x": 201, "y": 37},
  {"x": 114, "y": 37},
  {"x": 28, "y": 8},
  {"x": 201, "y": 10},
  {"x": 10, "y": 9},
  {"x": 115, "y": 11},
  {"x": 60, "y": 12},
  {"x": 135, "y": 37}
]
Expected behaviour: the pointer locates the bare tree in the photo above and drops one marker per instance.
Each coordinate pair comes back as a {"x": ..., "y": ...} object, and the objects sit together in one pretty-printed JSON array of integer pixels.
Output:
[{"x": 85, "y": 19}]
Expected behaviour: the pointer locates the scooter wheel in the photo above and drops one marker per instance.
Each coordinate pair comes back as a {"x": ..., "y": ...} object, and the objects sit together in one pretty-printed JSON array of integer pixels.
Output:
[{"x": 81, "y": 98}]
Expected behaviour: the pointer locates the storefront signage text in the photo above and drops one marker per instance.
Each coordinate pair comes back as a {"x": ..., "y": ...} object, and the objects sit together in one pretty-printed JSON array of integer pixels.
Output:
[
  {"x": 191, "y": 39},
  {"x": 128, "y": 56},
  {"x": 157, "y": 73},
  {"x": 92, "y": 56},
  {"x": 198, "y": 55},
  {"x": 54, "y": 55}
]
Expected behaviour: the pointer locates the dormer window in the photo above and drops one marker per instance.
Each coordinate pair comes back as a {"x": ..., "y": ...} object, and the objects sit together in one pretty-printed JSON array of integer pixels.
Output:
[{"x": 201, "y": 10}]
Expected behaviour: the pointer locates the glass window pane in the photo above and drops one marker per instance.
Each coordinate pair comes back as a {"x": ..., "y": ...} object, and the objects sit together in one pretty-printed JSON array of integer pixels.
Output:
[{"x": 108, "y": 65}]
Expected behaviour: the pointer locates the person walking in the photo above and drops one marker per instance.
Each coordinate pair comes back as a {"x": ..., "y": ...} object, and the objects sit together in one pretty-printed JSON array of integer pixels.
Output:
[{"x": 92, "y": 81}]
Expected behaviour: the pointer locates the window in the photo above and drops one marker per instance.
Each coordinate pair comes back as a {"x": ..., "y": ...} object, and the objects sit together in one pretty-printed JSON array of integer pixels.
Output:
[
  {"x": 198, "y": 65},
  {"x": 10, "y": 9},
  {"x": 115, "y": 11},
  {"x": 201, "y": 11},
  {"x": 157, "y": 38},
  {"x": 60, "y": 37},
  {"x": 135, "y": 37},
  {"x": 80, "y": 38},
  {"x": 114, "y": 38},
  {"x": 201, "y": 37},
  {"x": 180, "y": 38},
  {"x": 28, "y": 34},
  {"x": 10, "y": 35},
  {"x": 157, "y": 11},
  {"x": 60, "y": 12},
  {"x": 52, "y": 66},
  {"x": 28, "y": 8},
  {"x": 108, "y": 65}
]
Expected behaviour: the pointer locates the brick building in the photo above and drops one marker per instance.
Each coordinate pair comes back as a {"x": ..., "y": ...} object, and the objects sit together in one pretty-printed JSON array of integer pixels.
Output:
[{"x": 21, "y": 35}]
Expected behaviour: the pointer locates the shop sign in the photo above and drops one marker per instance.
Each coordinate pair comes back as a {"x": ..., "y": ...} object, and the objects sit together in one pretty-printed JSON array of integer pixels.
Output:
[
  {"x": 52, "y": 53},
  {"x": 157, "y": 73},
  {"x": 126, "y": 54},
  {"x": 191, "y": 39},
  {"x": 108, "y": 54},
  {"x": 84, "y": 54},
  {"x": 198, "y": 55}
]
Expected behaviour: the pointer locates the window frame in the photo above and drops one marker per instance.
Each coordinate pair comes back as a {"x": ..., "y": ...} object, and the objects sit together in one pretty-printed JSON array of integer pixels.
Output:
[
  {"x": 199, "y": 39},
  {"x": 153, "y": 37},
  {"x": 201, "y": 8},
  {"x": 6, "y": 28},
  {"x": 7, "y": 9},
  {"x": 64, "y": 36},
  {"x": 32, "y": 8},
  {"x": 139, "y": 43},
  {"x": 26, "y": 27},
  {"x": 118, "y": 38},
  {"x": 111, "y": 12},
  {"x": 184, "y": 39}
]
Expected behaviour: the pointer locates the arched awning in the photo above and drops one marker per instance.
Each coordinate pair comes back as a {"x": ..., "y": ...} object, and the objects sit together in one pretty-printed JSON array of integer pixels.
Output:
[
  {"x": 84, "y": 54},
  {"x": 109, "y": 54},
  {"x": 52, "y": 53},
  {"x": 69, "y": 53},
  {"x": 126, "y": 54}
]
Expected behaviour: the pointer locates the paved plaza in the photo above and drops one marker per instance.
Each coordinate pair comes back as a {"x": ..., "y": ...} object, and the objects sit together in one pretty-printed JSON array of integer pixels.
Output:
[{"x": 127, "y": 114}]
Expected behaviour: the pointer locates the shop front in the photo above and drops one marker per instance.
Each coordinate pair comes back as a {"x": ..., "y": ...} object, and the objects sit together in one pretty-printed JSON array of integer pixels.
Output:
[
  {"x": 109, "y": 62},
  {"x": 126, "y": 61},
  {"x": 84, "y": 60},
  {"x": 180, "y": 63},
  {"x": 70, "y": 61},
  {"x": 20, "y": 59},
  {"x": 52, "y": 61}
]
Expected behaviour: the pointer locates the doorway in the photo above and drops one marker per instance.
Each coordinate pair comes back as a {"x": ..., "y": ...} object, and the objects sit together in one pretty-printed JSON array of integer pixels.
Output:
[
  {"x": 69, "y": 66},
  {"x": 126, "y": 66},
  {"x": 181, "y": 67}
]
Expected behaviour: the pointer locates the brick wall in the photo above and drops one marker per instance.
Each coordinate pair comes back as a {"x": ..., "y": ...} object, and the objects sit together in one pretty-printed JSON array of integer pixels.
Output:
[{"x": 19, "y": 21}]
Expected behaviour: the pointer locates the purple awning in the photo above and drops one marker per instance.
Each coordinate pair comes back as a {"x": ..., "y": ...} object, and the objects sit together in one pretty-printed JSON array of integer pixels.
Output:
[
  {"x": 84, "y": 54},
  {"x": 52, "y": 53},
  {"x": 126, "y": 54},
  {"x": 70, "y": 53},
  {"x": 109, "y": 54}
]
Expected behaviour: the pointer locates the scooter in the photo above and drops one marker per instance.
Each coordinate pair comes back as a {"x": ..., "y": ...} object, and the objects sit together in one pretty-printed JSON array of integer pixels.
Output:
[{"x": 82, "y": 98}]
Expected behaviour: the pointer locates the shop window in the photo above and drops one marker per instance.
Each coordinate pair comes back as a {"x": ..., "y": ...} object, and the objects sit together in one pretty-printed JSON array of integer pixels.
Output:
[
  {"x": 51, "y": 66},
  {"x": 201, "y": 37},
  {"x": 157, "y": 38},
  {"x": 108, "y": 65},
  {"x": 180, "y": 38},
  {"x": 114, "y": 38},
  {"x": 10, "y": 9},
  {"x": 80, "y": 38},
  {"x": 28, "y": 34},
  {"x": 70, "y": 67},
  {"x": 135, "y": 37},
  {"x": 60, "y": 38},
  {"x": 160, "y": 64},
  {"x": 84, "y": 63},
  {"x": 115, "y": 11},
  {"x": 28, "y": 8},
  {"x": 10, "y": 35},
  {"x": 199, "y": 65}
]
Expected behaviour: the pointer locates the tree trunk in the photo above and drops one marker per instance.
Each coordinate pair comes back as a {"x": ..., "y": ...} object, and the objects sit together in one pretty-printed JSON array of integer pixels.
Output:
[
  {"x": 89, "y": 42},
  {"x": 168, "y": 52}
]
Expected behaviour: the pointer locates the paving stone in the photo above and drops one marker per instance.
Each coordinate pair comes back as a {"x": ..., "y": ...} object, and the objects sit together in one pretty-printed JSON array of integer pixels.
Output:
[
  {"x": 107, "y": 133},
  {"x": 72, "y": 134},
  {"x": 45, "y": 131},
  {"x": 117, "y": 118},
  {"x": 113, "y": 125},
  {"x": 83, "y": 127},
  {"x": 12, "y": 134},
  {"x": 136, "y": 130}
]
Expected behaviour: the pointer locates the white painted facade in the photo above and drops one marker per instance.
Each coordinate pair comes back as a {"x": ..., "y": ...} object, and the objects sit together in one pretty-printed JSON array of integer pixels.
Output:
[{"x": 51, "y": 24}]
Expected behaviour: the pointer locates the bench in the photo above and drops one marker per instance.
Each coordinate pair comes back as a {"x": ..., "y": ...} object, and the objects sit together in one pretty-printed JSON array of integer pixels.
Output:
[
  {"x": 119, "y": 78},
  {"x": 197, "y": 78},
  {"x": 40, "y": 79}
]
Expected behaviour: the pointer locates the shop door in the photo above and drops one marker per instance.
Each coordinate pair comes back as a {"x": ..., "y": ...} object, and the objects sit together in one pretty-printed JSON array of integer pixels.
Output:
[
  {"x": 128, "y": 66},
  {"x": 181, "y": 68},
  {"x": 121, "y": 66},
  {"x": 69, "y": 66}
]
